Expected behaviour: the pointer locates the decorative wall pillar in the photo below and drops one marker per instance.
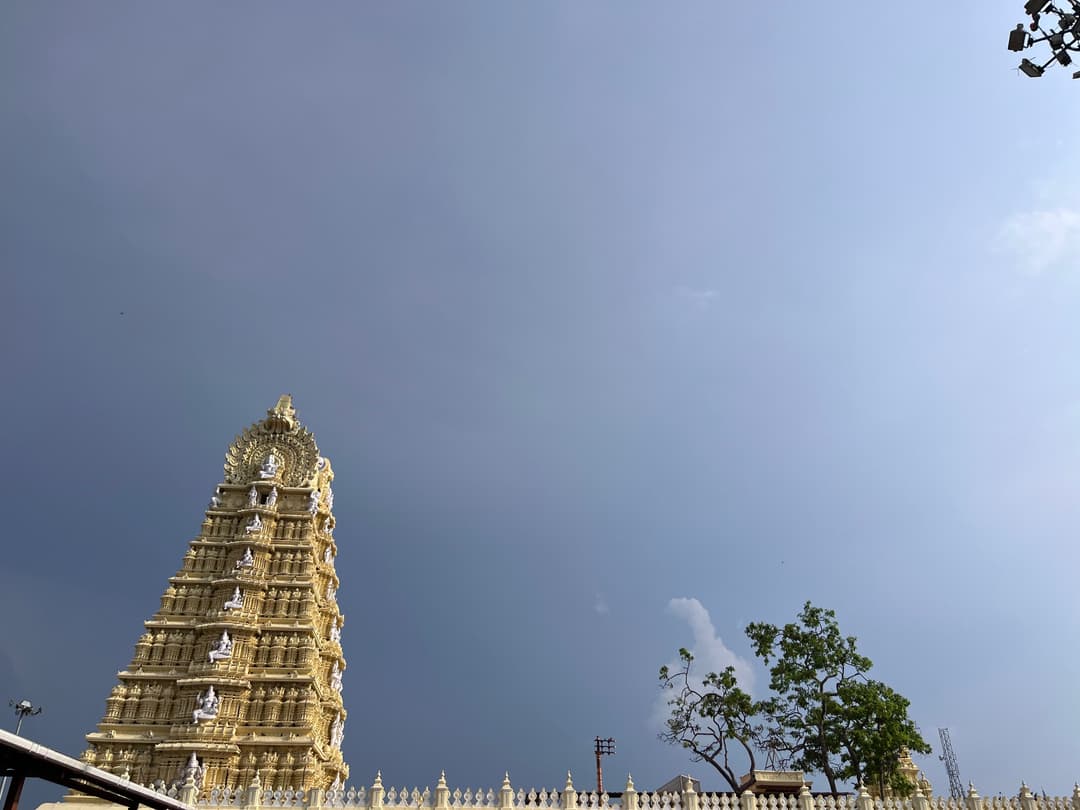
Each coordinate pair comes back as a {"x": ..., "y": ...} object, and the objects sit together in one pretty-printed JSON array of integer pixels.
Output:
[
  {"x": 376, "y": 791},
  {"x": 506, "y": 793},
  {"x": 442, "y": 792},
  {"x": 1027, "y": 801},
  {"x": 689, "y": 796},
  {"x": 864, "y": 801},
  {"x": 254, "y": 792},
  {"x": 189, "y": 793},
  {"x": 629, "y": 796},
  {"x": 973, "y": 801},
  {"x": 569, "y": 795}
]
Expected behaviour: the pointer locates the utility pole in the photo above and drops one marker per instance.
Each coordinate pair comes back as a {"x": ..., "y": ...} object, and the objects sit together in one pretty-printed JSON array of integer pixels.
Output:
[
  {"x": 602, "y": 748},
  {"x": 23, "y": 709}
]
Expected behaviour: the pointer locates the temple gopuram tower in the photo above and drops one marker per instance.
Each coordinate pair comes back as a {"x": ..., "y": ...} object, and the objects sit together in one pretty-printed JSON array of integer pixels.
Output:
[{"x": 239, "y": 671}]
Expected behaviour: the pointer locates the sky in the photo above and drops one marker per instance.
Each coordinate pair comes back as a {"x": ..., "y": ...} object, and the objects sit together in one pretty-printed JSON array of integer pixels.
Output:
[{"x": 624, "y": 325}]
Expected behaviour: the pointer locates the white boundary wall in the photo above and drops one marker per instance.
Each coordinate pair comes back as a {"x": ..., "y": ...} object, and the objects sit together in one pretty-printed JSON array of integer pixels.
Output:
[{"x": 507, "y": 797}]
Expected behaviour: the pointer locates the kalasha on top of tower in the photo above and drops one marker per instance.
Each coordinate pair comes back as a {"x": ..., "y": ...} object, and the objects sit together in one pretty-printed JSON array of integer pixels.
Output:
[{"x": 277, "y": 449}]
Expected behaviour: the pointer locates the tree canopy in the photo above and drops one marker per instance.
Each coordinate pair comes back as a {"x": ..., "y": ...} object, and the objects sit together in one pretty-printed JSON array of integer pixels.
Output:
[{"x": 824, "y": 713}]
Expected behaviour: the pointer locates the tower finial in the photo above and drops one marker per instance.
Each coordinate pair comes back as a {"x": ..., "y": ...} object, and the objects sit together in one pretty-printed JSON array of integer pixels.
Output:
[{"x": 282, "y": 417}]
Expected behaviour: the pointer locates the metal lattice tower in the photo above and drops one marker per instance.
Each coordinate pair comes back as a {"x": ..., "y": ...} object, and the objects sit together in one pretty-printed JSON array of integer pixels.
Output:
[{"x": 956, "y": 787}]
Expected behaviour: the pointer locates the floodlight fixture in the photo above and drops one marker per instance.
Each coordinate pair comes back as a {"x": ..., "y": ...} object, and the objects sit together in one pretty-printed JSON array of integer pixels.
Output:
[
  {"x": 1029, "y": 68},
  {"x": 1055, "y": 22},
  {"x": 602, "y": 747},
  {"x": 23, "y": 709},
  {"x": 1018, "y": 38}
]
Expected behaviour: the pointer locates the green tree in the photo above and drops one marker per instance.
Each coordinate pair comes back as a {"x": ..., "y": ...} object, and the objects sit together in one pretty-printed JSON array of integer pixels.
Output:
[
  {"x": 824, "y": 713},
  {"x": 877, "y": 730},
  {"x": 711, "y": 718}
]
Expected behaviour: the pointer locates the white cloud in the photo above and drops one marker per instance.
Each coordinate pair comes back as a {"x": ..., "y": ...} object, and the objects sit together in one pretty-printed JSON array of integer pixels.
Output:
[
  {"x": 710, "y": 652},
  {"x": 695, "y": 297},
  {"x": 1041, "y": 239},
  {"x": 601, "y": 606}
]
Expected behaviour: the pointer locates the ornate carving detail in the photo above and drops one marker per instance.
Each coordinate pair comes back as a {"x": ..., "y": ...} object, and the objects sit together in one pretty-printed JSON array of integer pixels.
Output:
[{"x": 295, "y": 456}]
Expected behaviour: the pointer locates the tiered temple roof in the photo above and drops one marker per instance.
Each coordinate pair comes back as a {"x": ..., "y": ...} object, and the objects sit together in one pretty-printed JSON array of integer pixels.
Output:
[{"x": 240, "y": 670}]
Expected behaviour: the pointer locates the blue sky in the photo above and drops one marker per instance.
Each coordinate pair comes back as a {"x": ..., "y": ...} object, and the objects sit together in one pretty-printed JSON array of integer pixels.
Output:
[{"x": 594, "y": 307}]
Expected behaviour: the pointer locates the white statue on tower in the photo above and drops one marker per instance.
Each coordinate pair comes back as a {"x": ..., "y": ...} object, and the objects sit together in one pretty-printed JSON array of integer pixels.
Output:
[
  {"x": 313, "y": 501},
  {"x": 237, "y": 601},
  {"x": 335, "y": 632},
  {"x": 335, "y": 677},
  {"x": 329, "y": 497},
  {"x": 215, "y": 499},
  {"x": 247, "y": 561},
  {"x": 222, "y": 649},
  {"x": 253, "y": 496},
  {"x": 271, "y": 499},
  {"x": 254, "y": 526},
  {"x": 337, "y": 732},
  {"x": 206, "y": 706},
  {"x": 195, "y": 770},
  {"x": 269, "y": 467}
]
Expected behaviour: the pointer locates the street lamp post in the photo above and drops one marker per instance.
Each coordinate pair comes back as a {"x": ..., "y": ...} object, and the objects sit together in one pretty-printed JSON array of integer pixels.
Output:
[
  {"x": 23, "y": 709},
  {"x": 602, "y": 748}
]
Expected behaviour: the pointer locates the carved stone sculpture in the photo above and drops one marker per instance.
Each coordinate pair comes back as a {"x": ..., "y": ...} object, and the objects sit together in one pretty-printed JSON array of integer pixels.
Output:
[
  {"x": 337, "y": 732},
  {"x": 206, "y": 706},
  {"x": 269, "y": 468},
  {"x": 222, "y": 649},
  {"x": 253, "y": 496},
  {"x": 254, "y": 526},
  {"x": 271, "y": 499},
  {"x": 335, "y": 632},
  {"x": 193, "y": 769},
  {"x": 313, "y": 501},
  {"x": 247, "y": 561},
  {"x": 236, "y": 602},
  {"x": 335, "y": 677}
]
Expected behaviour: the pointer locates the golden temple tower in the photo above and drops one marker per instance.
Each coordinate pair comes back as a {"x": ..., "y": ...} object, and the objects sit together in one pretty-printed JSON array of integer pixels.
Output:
[{"x": 239, "y": 672}]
